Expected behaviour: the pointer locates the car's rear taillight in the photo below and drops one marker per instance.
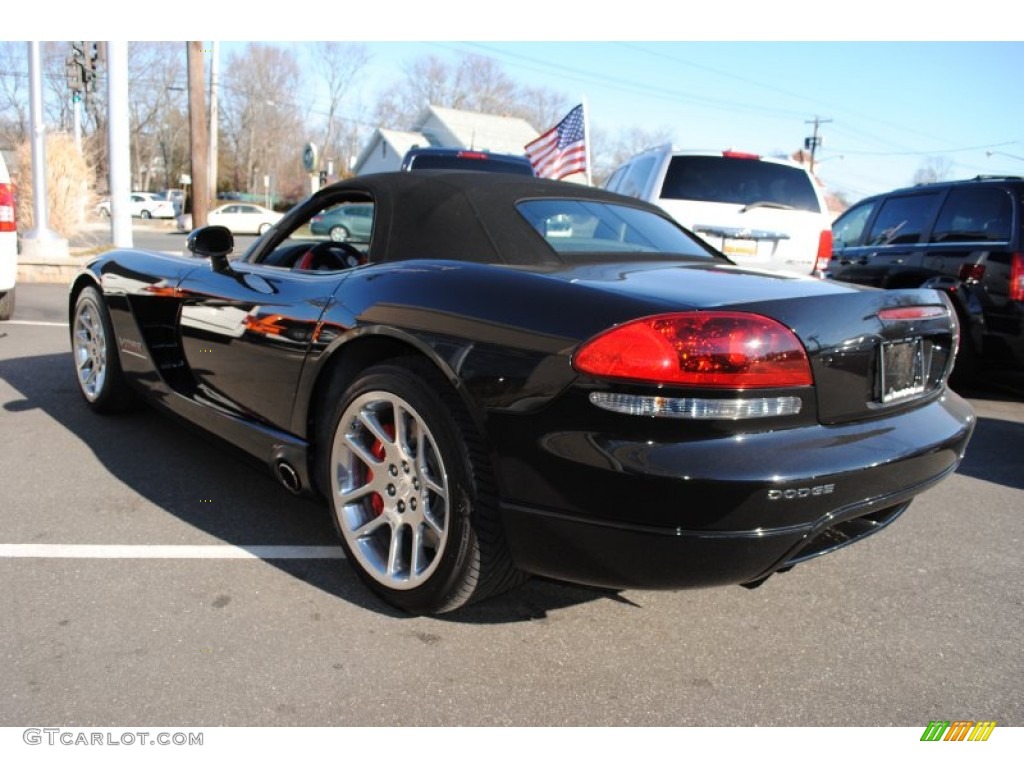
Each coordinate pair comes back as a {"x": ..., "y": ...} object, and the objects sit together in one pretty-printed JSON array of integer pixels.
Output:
[
  {"x": 7, "y": 219},
  {"x": 740, "y": 155},
  {"x": 971, "y": 272},
  {"x": 1017, "y": 277},
  {"x": 734, "y": 350},
  {"x": 824, "y": 251},
  {"x": 471, "y": 155}
]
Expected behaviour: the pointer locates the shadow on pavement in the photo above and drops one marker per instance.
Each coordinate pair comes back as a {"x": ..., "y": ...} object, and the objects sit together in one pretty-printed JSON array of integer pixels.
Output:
[
  {"x": 995, "y": 453},
  {"x": 173, "y": 466}
]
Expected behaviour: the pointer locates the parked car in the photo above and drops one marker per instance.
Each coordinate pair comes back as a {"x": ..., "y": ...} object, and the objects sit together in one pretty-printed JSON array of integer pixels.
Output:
[
  {"x": 614, "y": 405},
  {"x": 8, "y": 244},
  {"x": 244, "y": 218},
  {"x": 450, "y": 158},
  {"x": 145, "y": 205},
  {"x": 759, "y": 211},
  {"x": 176, "y": 197},
  {"x": 344, "y": 222},
  {"x": 965, "y": 238}
]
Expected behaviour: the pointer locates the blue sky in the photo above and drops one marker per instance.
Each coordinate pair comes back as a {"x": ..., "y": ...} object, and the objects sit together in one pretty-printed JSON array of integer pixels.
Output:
[
  {"x": 744, "y": 75},
  {"x": 892, "y": 105}
]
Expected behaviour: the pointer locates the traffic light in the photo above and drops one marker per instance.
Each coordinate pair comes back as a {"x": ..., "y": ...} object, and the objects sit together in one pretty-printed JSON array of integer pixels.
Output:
[
  {"x": 76, "y": 76},
  {"x": 86, "y": 55},
  {"x": 82, "y": 66}
]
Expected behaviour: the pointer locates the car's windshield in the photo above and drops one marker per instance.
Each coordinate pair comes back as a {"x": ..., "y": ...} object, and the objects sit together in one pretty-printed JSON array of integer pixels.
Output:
[
  {"x": 742, "y": 181},
  {"x": 577, "y": 228}
]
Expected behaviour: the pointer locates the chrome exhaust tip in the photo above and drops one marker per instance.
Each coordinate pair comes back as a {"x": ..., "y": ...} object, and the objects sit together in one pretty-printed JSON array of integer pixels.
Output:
[{"x": 289, "y": 477}]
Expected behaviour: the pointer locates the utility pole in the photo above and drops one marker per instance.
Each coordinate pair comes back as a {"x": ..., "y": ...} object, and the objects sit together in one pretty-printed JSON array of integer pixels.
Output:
[
  {"x": 119, "y": 144},
  {"x": 198, "y": 134},
  {"x": 40, "y": 242},
  {"x": 214, "y": 66},
  {"x": 813, "y": 142}
]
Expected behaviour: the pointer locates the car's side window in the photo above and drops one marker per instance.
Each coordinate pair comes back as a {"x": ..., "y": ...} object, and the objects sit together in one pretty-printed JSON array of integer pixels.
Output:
[
  {"x": 635, "y": 181},
  {"x": 979, "y": 214},
  {"x": 849, "y": 228},
  {"x": 612, "y": 185},
  {"x": 903, "y": 220},
  {"x": 333, "y": 237}
]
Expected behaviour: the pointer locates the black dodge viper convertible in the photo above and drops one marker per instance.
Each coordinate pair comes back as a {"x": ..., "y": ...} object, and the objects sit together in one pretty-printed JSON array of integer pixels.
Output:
[{"x": 513, "y": 376}]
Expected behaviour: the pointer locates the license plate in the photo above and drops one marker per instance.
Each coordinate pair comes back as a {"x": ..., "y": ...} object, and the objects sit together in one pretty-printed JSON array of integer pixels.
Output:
[
  {"x": 903, "y": 369},
  {"x": 733, "y": 247}
]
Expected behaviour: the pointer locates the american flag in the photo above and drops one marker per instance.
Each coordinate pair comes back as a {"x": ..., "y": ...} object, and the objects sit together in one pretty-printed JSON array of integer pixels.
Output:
[{"x": 562, "y": 150}]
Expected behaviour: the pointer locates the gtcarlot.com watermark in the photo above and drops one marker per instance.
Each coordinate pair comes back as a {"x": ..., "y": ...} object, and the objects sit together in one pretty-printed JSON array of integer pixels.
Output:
[{"x": 73, "y": 738}]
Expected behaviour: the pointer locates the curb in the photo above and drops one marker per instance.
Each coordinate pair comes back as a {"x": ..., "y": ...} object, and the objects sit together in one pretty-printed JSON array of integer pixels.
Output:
[{"x": 51, "y": 270}]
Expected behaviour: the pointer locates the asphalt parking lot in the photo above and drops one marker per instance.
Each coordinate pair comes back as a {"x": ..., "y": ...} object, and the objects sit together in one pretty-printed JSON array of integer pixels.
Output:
[{"x": 922, "y": 622}]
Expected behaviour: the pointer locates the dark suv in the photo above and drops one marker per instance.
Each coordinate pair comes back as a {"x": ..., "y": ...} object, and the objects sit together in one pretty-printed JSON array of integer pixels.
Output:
[
  {"x": 450, "y": 158},
  {"x": 963, "y": 237}
]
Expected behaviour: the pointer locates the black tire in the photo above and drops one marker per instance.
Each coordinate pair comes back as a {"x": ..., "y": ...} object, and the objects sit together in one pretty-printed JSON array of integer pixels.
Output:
[
  {"x": 7, "y": 305},
  {"x": 147, "y": 215},
  {"x": 263, "y": 229},
  {"x": 97, "y": 364},
  {"x": 339, "y": 234},
  {"x": 411, "y": 492}
]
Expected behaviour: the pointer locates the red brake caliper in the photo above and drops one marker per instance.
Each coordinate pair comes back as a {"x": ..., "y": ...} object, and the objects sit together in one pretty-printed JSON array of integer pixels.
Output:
[{"x": 377, "y": 449}]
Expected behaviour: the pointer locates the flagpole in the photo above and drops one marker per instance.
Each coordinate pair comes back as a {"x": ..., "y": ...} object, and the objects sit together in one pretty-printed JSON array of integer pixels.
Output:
[{"x": 587, "y": 138}]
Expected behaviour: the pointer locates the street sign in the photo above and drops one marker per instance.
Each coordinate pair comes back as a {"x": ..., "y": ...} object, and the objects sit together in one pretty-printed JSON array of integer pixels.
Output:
[{"x": 309, "y": 157}]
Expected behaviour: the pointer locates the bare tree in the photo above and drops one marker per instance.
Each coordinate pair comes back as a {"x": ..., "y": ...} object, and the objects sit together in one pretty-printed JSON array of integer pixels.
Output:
[
  {"x": 263, "y": 130},
  {"x": 13, "y": 93},
  {"x": 609, "y": 153},
  {"x": 480, "y": 85},
  {"x": 156, "y": 79},
  {"x": 541, "y": 107},
  {"x": 934, "y": 168},
  {"x": 473, "y": 83},
  {"x": 338, "y": 64}
]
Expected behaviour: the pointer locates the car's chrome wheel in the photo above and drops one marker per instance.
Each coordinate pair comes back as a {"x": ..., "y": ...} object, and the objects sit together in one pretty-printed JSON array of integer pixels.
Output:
[
  {"x": 89, "y": 345},
  {"x": 391, "y": 490},
  {"x": 411, "y": 489},
  {"x": 339, "y": 234},
  {"x": 97, "y": 366}
]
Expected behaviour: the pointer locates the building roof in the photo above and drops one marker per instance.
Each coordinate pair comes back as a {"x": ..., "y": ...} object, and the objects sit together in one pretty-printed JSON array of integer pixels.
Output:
[
  {"x": 475, "y": 130},
  {"x": 399, "y": 141},
  {"x": 444, "y": 127}
]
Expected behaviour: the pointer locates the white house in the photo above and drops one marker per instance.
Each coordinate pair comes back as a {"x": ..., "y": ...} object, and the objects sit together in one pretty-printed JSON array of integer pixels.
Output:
[
  {"x": 444, "y": 127},
  {"x": 385, "y": 150}
]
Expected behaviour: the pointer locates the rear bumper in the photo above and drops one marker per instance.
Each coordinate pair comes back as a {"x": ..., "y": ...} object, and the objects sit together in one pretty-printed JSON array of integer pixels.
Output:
[
  {"x": 8, "y": 260},
  {"x": 731, "y": 511}
]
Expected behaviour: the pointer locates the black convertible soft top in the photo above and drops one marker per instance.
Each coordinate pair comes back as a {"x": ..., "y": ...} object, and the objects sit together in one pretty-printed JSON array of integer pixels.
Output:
[{"x": 461, "y": 215}]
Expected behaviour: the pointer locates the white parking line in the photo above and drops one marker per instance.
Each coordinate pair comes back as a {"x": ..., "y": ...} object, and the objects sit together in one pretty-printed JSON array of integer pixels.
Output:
[
  {"x": 35, "y": 322},
  {"x": 172, "y": 551}
]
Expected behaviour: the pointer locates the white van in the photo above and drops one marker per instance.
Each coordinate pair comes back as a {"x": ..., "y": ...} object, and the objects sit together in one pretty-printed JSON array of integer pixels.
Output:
[
  {"x": 761, "y": 212},
  {"x": 8, "y": 243}
]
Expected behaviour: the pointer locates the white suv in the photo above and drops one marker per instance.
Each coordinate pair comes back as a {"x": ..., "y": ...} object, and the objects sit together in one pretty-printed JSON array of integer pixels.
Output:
[
  {"x": 8, "y": 244},
  {"x": 761, "y": 212}
]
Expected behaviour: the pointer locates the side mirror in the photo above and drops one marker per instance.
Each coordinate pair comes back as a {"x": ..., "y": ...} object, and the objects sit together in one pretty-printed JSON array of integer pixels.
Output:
[{"x": 214, "y": 243}]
